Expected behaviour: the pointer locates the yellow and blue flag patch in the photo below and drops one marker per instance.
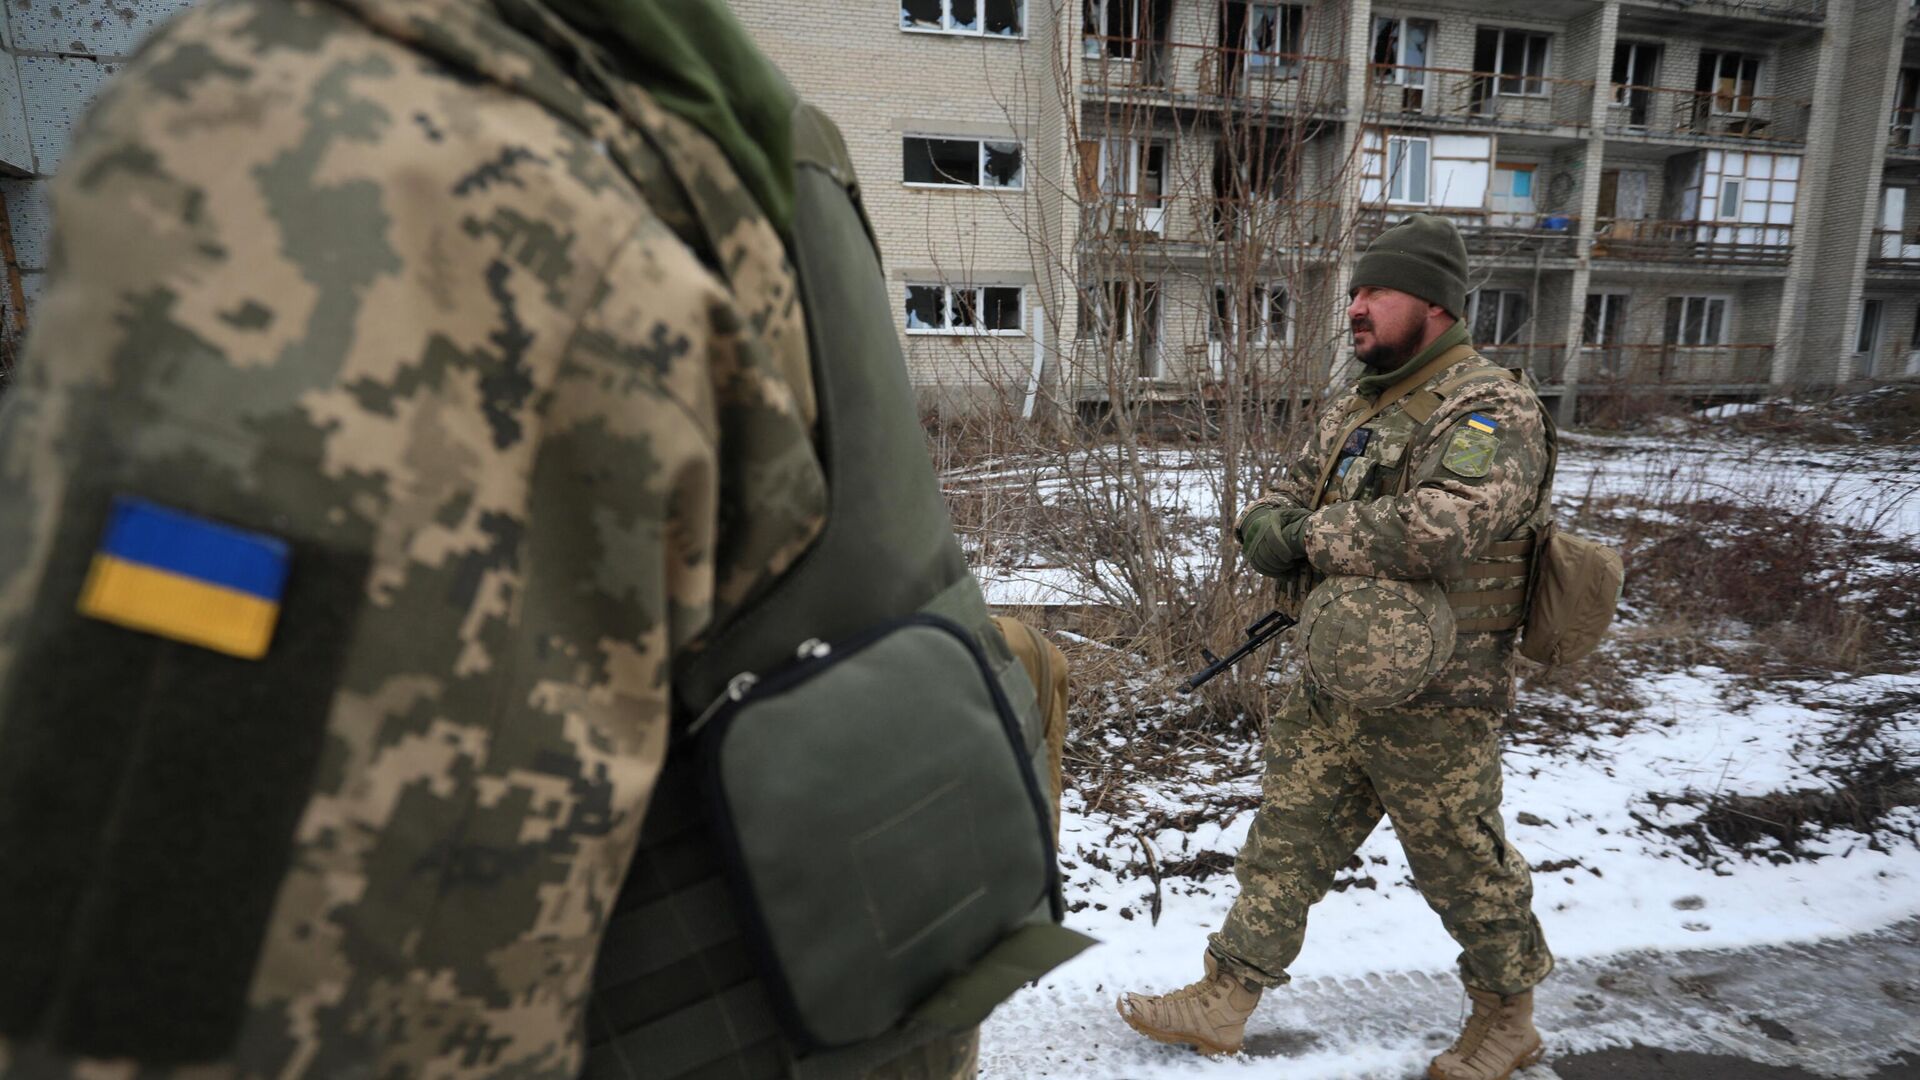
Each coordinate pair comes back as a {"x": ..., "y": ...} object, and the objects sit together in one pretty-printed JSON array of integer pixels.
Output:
[
  {"x": 183, "y": 577},
  {"x": 1482, "y": 423}
]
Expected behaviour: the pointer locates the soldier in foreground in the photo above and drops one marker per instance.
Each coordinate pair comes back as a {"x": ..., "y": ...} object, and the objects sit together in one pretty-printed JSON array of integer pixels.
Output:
[
  {"x": 438, "y": 409},
  {"x": 1406, "y": 522}
]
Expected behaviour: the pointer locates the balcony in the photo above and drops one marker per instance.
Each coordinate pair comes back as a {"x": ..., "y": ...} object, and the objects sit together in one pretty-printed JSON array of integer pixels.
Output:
[
  {"x": 1695, "y": 14},
  {"x": 1194, "y": 225},
  {"x": 1664, "y": 112},
  {"x": 1894, "y": 252},
  {"x": 1722, "y": 243},
  {"x": 1546, "y": 362},
  {"x": 1212, "y": 75},
  {"x": 1630, "y": 366},
  {"x": 1903, "y": 134},
  {"x": 1478, "y": 98},
  {"x": 1556, "y": 236}
]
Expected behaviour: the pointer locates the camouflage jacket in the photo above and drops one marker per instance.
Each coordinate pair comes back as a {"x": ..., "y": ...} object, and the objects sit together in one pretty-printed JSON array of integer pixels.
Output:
[
  {"x": 1425, "y": 491},
  {"x": 380, "y": 279}
]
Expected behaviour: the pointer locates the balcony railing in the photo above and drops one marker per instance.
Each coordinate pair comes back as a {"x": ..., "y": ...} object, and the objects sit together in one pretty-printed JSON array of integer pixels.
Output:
[
  {"x": 1209, "y": 220},
  {"x": 1676, "y": 365},
  {"x": 1248, "y": 77},
  {"x": 1665, "y": 110},
  {"x": 1903, "y": 134},
  {"x": 1724, "y": 242},
  {"x": 1479, "y": 97},
  {"x": 1554, "y": 235},
  {"x": 1547, "y": 362},
  {"x": 1894, "y": 250}
]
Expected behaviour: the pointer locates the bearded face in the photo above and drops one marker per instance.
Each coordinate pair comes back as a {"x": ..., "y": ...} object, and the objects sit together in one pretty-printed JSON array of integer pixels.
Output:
[{"x": 1387, "y": 326}]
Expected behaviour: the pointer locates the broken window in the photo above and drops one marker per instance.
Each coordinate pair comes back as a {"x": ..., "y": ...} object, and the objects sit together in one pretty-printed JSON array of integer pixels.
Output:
[
  {"x": 1109, "y": 28},
  {"x": 1273, "y": 36},
  {"x": 926, "y": 307},
  {"x": 962, "y": 163},
  {"x": 1497, "y": 316},
  {"x": 1001, "y": 165},
  {"x": 1729, "y": 79},
  {"x": 1517, "y": 57},
  {"x": 965, "y": 309},
  {"x": 920, "y": 15},
  {"x": 1400, "y": 49},
  {"x": 1003, "y": 18},
  {"x": 1006, "y": 18}
]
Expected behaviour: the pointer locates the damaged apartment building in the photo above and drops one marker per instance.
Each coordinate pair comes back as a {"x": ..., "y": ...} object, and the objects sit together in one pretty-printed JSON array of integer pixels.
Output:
[
  {"x": 1149, "y": 198},
  {"x": 1090, "y": 201}
]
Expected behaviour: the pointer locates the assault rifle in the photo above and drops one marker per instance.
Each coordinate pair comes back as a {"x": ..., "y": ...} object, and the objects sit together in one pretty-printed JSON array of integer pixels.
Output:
[{"x": 1268, "y": 628}]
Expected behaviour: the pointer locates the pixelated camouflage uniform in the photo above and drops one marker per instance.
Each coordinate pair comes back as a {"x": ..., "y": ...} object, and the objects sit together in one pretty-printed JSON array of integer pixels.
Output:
[
  {"x": 1432, "y": 764},
  {"x": 382, "y": 279}
]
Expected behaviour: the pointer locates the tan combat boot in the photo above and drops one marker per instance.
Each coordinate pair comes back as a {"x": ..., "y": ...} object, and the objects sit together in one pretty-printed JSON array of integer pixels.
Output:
[
  {"x": 1210, "y": 1015},
  {"x": 1499, "y": 1039}
]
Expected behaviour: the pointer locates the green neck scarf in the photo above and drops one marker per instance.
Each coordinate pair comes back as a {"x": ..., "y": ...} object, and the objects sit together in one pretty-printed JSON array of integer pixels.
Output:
[
  {"x": 1372, "y": 385},
  {"x": 698, "y": 62}
]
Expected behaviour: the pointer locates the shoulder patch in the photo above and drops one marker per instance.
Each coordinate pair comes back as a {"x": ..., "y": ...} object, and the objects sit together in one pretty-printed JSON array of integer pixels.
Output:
[
  {"x": 183, "y": 577},
  {"x": 1470, "y": 452}
]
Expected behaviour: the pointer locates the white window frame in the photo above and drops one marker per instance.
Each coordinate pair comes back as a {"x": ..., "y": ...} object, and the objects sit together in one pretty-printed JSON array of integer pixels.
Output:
[
  {"x": 1727, "y": 207},
  {"x": 1721, "y": 57},
  {"x": 1402, "y": 74},
  {"x": 1500, "y": 328},
  {"x": 1132, "y": 294},
  {"x": 1706, "y": 300},
  {"x": 1398, "y": 179},
  {"x": 1636, "y": 79},
  {"x": 1279, "y": 62},
  {"x": 1095, "y": 48},
  {"x": 950, "y": 308},
  {"x": 979, "y": 163},
  {"x": 1528, "y": 38},
  {"x": 1260, "y": 333},
  {"x": 947, "y": 28}
]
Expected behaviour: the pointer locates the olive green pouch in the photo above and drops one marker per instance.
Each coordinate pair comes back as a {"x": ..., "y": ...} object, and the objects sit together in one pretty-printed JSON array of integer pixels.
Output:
[{"x": 884, "y": 830}]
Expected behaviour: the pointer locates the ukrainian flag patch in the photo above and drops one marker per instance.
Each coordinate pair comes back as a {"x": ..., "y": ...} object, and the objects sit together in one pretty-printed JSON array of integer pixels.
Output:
[
  {"x": 179, "y": 576},
  {"x": 1482, "y": 423}
]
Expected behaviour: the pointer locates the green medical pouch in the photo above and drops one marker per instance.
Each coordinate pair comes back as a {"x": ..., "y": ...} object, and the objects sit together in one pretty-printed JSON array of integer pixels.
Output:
[{"x": 882, "y": 825}]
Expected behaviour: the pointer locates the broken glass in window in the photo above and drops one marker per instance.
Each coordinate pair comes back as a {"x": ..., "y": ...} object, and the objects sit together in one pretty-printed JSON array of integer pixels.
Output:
[
  {"x": 966, "y": 16},
  {"x": 942, "y": 161},
  {"x": 1002, "y": 307},
  {"x": 1003, "y": 18},
  {"x": 1003, "y": 165},
  {"x": 919, "y": 14},
  {"x": 966, "y": 309},
  {"x": 926, "y": 307}
]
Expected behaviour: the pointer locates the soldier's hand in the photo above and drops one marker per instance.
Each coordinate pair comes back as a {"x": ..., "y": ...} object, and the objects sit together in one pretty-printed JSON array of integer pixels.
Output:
[{"x": 1274, "y": 538}]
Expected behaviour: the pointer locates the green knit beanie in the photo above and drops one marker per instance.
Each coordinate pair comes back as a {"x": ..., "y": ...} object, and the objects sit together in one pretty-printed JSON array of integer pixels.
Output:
[{"x": 1422, "y": 255}]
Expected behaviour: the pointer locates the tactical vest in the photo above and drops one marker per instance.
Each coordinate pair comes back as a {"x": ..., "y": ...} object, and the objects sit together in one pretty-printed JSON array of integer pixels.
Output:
[
  {"x": 1489, "y": 596},
  {"x": 675, "y": 988}
]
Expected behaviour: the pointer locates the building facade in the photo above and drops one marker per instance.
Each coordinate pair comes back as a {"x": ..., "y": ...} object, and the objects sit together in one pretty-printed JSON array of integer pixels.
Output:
[
  {"x": 1712, "y": 198},
  {"x": 1101, "y": 200}
]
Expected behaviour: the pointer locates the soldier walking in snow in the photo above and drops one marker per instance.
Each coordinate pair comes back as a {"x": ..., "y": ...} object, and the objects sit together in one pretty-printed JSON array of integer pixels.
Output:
[{"x": 1408, "y": 520}]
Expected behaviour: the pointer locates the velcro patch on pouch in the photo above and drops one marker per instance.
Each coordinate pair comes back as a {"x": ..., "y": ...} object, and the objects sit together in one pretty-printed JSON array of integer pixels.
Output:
[
  {"x": 1470, "y": 452},
  {"x": 178, "y": 576}
]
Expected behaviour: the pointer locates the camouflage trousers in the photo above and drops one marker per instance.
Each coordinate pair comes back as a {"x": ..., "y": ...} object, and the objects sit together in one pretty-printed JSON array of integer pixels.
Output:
[
  {"x": 1434, "y": 771},
  {"x": 956, "y": 1057}
]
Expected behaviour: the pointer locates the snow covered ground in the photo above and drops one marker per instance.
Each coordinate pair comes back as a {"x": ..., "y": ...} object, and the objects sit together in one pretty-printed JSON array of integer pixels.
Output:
[{"x": 1610, "y": 879}]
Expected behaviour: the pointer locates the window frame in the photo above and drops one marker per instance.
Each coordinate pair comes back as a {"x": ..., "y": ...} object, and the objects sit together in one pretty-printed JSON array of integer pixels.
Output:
[
  {"x": 1426, "y": 178},
  {"x": 1712, "y": 90},
  {"x": 1502, "y": 333},
  {"x": 1636, "y": 50},
  {"x": 945, "y": 29},
  {"x": 950, "y": 309},
  {"x": 1281, "y": 62},
  {"x": 1706, "y": 300},
  {"x": 1095, "y": 47},
  {"x": 1399, "y": 72},
  {"x": 1500, "y": 78},
  {"x": 980, "y": 163},
  {"x": 1261, "y": 298}
]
